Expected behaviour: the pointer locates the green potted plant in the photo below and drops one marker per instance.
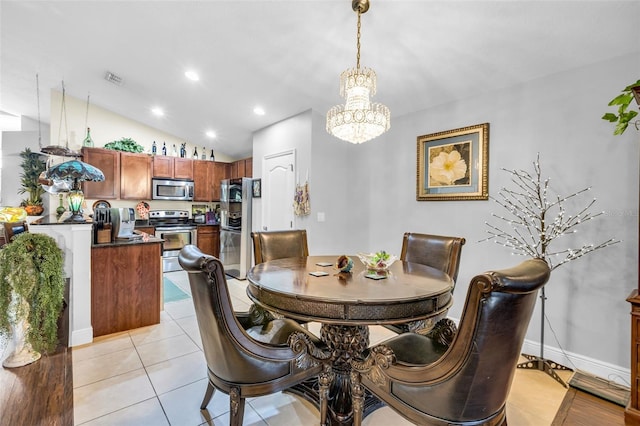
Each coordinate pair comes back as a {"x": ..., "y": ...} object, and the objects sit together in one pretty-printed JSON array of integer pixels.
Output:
[
  {"x": 622, "y": 101},
  {"x": 32, "y": 167},
  {"x": 31, "y": 295}
]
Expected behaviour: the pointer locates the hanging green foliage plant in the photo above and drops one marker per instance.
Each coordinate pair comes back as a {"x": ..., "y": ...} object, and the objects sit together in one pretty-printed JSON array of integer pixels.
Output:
[{"x": 31, "y": 268}]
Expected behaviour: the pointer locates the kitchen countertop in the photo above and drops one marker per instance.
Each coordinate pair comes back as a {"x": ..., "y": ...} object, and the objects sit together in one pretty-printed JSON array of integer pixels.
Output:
[
  {"x": 149, "y": 240},
  {"x": 54, "y": 220}
]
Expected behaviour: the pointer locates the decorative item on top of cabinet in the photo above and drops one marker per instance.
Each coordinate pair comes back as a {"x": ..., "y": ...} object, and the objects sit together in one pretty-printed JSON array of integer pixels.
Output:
[
  {"x": 172, "y": 167},
  {"x": 208, "y": 239},
  {"x": 109, "y": 162},
  {"x": 135, "y": 176}
]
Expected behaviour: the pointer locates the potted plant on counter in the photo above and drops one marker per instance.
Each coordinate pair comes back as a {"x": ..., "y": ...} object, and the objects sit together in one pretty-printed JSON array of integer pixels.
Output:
[
  {"x": 31, "y": 296},
  {"x": 32, "y": 167}
]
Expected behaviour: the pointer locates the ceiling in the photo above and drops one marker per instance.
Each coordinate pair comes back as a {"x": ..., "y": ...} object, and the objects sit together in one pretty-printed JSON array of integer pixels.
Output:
[{"x": 286, "y": 56}]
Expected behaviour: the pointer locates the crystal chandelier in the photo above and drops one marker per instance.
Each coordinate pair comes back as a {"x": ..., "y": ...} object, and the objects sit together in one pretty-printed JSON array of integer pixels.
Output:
[{"x": 359, "y": 119}]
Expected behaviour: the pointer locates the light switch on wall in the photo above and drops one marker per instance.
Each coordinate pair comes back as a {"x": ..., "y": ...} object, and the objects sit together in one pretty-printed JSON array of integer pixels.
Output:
[{"x": 320, "y": 216}]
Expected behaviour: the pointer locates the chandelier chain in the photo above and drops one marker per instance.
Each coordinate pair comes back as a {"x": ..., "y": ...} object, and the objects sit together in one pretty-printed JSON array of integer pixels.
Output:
[{"x": 358, "y": 42}]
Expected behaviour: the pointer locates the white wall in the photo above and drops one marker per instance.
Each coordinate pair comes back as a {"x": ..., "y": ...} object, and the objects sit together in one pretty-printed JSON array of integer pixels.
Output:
[
  {"x": 559, "y": 117},
  {"x": 12, "y": 144},
  {"x": 368, "y": 193},
  {"x": 291, "y": 134},
  {"x": 107, "y": 126}
]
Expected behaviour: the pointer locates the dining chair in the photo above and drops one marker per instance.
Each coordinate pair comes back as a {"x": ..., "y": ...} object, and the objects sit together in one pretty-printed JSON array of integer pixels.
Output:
[
  {"x": 247, "y": 354},
  {"x": 438, "y": 251},
  {"x": 462, "y": 378},
  {"x": 13, "y": 228},
  {"x": 272, "y": 245}
]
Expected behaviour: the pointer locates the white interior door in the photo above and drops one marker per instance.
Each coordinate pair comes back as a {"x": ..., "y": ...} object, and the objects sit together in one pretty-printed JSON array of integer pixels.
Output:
[{"x": 278, "y": 186}]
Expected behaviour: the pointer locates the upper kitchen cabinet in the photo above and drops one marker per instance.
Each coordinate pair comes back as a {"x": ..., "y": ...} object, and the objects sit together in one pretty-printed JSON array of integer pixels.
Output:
[
  {"x": 108, "y": 162},
  {"x": 172, "y": 167},
  {"x": 135, "y": 176},
  {"x": 203, "y": 180},
  {"x": 242, "y": 168},
  {"x": 207, "y": 176},
  {"x": 220, "y": 171}
]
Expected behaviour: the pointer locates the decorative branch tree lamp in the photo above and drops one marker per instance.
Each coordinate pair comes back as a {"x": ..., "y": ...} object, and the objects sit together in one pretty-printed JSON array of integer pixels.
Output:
[
  {"x": 75, "y": 171},
  {"x": 536, "y": 219}
]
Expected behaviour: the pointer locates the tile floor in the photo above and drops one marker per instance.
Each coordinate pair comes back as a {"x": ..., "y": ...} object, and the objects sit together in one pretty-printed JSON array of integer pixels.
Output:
[{"x": 157, "y": 376}]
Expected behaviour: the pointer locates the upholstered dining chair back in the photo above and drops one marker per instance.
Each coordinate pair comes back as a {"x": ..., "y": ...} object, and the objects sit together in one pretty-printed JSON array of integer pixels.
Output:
[
  {"x": 12, "y": 229},
  {"x": 244, "y": 358},
  {"x": 438, "y": 251},
  {"x": 279, "y": 245},
  {"x": 463, "y": 380}
]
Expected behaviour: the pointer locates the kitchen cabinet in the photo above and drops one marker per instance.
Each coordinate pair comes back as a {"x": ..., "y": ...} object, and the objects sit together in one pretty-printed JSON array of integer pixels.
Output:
[
  {"x": 207, "y": 176},
  {"x": 126, "y": 282},
  {"x": 220, "y": 171},
  {"x": 108, "y": 161},
  {"x": 208, "y": 239},
  {"x": 242, "y": 168},
  {"x": 135, "y": 176},
  {"x": 172, "y": 167},
  {"x": 203, "y": 180}
]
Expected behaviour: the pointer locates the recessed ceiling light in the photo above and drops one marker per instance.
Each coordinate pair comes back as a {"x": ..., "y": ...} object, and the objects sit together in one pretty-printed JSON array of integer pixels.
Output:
[
  {"x": 258, "y": 111},
  {"x": 192, "y": 75},
  {"x": 157, "y": 111},
  {"x": 211, "y": 134}
]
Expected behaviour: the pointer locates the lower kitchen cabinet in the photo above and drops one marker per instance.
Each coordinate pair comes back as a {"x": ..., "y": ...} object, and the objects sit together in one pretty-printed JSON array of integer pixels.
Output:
[
  {"x": 126, "y": 283},
  {"x": 208, "y": 239}
]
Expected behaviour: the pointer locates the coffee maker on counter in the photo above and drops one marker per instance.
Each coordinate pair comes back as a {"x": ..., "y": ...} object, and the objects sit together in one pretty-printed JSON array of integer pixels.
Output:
[{"x": 123, "y": 222}]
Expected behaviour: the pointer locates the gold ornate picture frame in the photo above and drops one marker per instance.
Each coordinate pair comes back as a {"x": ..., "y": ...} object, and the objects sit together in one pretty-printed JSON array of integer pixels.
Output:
[{"x": 453, "y": 165}]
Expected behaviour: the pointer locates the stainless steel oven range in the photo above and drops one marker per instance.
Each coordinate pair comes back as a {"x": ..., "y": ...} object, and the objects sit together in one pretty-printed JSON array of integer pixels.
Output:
[{"x": 174, "y": 227}]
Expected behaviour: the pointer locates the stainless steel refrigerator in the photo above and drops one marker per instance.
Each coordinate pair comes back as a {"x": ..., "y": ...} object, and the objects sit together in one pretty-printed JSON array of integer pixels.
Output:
[{"x": 235, "y": 226}]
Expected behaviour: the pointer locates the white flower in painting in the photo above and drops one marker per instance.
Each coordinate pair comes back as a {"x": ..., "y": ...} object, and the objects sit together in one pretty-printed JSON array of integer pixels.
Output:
[{"x": 447, "y": 168}]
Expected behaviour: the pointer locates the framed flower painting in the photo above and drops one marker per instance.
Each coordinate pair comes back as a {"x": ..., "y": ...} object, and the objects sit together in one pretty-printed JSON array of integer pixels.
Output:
[{"x": 453, "y": 165}]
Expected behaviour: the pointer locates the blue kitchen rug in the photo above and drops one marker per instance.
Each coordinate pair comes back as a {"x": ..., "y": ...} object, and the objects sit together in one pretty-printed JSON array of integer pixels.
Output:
[{"x": 172, "y": 292}]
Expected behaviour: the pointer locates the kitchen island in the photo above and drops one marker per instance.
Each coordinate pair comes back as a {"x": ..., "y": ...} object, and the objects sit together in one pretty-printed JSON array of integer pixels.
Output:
[{"x": 126, "y": 285}]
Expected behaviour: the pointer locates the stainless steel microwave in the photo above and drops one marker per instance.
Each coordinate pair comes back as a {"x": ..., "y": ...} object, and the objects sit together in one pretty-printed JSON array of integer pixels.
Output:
[{"x": 172, "y": 189}]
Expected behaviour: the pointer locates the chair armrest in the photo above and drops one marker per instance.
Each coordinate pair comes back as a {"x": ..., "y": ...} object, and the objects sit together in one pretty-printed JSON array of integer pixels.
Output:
[{"x": 381, "y": 363}]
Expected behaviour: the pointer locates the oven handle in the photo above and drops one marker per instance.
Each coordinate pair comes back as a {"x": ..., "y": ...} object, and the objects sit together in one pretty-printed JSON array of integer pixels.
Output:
[{"x": 175, "y": 228}]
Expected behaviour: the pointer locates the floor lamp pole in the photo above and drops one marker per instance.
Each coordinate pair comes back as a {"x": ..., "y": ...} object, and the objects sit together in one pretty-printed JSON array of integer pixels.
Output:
[{"x": 539, "y": 362}]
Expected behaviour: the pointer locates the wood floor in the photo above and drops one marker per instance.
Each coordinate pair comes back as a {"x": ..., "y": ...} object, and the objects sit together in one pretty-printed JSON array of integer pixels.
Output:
[
  {"x": 584, "y": 409},
  {"x": 41, "y": 394},
  {"x": 38, "y": 394}
]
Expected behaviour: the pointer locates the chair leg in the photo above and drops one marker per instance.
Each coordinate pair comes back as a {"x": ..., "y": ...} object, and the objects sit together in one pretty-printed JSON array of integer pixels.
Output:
[
  {"x": 324, "y": 381},
  {"x": 207, "y": 396},
  {"x": 236, "y": 403},
  {"x": 357, "y": 398}
]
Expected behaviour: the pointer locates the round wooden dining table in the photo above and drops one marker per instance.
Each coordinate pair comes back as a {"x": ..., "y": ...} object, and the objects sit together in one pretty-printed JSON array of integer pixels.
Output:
[{"x": 313, "y": 289}]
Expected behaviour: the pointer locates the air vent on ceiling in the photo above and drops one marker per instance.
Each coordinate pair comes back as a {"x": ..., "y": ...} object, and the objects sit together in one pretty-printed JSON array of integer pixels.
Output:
[{"x": 111, "y": 77}]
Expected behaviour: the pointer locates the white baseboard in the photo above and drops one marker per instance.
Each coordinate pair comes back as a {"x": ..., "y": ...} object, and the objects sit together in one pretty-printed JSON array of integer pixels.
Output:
[
  {"x": 81, "y": 337},
  {"x": 603, "y": 370}
]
